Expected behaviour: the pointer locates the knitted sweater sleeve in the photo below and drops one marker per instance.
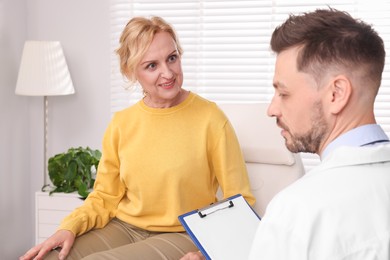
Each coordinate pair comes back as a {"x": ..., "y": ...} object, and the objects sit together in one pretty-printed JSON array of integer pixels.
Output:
[{"x": 100, "y": 206}]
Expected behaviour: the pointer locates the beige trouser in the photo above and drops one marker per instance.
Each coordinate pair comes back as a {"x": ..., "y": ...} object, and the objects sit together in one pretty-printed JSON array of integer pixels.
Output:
[{"x": 119, "y": 240}]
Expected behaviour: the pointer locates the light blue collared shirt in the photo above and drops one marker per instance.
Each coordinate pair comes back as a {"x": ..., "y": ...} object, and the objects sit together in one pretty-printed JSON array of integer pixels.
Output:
[{"x": 359, "y": 136}]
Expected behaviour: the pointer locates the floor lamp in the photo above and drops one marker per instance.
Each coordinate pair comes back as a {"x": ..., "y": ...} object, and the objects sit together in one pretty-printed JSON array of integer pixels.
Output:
[{"x": 43, "y": 72}]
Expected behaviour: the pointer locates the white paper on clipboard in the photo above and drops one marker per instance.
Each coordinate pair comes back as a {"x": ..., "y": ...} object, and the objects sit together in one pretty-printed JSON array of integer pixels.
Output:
[{"x": 223, "y": 230}]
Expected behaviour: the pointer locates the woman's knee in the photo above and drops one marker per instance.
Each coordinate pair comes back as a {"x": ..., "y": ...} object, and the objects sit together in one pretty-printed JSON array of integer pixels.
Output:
[{"x": 170, "y": 246}]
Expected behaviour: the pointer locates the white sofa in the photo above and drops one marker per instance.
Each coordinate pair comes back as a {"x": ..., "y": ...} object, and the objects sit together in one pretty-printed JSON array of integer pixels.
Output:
[{"x": 271, "y": 167}]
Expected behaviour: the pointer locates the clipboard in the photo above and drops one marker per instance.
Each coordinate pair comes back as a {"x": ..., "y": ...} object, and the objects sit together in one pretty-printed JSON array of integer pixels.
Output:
[{"x": 223, "y": 230}]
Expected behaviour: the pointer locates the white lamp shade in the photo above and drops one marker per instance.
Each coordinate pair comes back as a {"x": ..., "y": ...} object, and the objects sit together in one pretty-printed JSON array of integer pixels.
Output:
[{"x": 43, "y": 70}]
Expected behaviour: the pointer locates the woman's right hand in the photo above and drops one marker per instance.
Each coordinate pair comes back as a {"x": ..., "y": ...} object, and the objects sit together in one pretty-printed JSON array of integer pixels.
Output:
[{"x": 62, "y": 238}]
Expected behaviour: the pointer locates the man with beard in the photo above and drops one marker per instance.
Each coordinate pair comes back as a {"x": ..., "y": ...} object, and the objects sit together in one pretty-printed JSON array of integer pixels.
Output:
[{"x": 327, "y": 74}]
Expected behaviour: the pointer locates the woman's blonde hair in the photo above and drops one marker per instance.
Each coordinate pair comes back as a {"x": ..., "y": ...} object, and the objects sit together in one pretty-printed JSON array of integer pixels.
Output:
[{"x": 136, "y": 39}]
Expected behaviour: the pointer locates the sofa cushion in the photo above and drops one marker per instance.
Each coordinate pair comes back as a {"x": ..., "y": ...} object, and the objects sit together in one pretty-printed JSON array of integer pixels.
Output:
[{"x": 258, "y": 135}]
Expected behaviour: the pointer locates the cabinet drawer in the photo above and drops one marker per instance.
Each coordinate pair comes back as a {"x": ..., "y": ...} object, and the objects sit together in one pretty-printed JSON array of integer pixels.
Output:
[
  {"x": 58, "y": 202},
  {"x": 46, "y": 230},
  {"x": 46, "y": 216}
]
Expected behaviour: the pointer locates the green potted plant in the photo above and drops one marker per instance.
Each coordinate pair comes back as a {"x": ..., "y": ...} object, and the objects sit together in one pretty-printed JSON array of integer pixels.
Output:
[{"x": 73, "y": 170}]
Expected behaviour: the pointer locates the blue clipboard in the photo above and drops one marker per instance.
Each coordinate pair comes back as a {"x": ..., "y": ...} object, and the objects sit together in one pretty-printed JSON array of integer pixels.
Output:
[{"x": 223, "y": 230}]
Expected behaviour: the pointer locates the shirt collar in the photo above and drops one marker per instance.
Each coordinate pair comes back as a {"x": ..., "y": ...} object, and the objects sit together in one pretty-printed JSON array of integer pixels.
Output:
[{"x": 359, "y": 136}]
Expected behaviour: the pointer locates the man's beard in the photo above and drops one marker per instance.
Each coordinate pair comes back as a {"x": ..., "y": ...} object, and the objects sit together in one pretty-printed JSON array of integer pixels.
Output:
[{"x": 310, "y": 141}]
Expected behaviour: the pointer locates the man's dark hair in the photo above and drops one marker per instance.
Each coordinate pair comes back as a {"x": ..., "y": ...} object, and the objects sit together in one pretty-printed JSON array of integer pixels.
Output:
[{"x": 329, "y": 38}]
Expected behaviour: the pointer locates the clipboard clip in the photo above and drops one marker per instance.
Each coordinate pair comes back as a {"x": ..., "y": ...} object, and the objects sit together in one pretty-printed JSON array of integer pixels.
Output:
[{"x": 215, "y": 207}]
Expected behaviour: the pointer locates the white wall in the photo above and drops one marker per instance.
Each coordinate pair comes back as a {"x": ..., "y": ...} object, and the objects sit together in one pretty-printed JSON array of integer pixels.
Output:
[
  {"x": 82, "y": 27},
  {"x": 15, "y": 178}
]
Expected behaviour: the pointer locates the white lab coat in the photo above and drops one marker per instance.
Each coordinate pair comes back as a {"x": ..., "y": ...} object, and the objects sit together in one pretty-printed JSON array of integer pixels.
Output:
[{"x": 339, "y": 210}]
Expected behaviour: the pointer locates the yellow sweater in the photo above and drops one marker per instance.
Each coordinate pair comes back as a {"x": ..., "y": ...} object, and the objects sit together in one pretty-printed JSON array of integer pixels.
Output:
[{"x": 160, "y": 163}]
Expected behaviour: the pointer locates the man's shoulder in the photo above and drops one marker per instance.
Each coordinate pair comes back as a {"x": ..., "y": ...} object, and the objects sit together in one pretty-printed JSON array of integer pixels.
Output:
[{"x": 345, "y": 156}]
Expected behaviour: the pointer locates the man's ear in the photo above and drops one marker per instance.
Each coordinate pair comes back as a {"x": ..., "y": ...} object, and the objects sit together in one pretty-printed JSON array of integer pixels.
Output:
[{"x": 341, "y": 91}]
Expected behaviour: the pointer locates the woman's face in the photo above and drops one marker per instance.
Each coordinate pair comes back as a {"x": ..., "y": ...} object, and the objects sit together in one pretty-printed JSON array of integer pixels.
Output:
[{"x": 160, "y": 73}]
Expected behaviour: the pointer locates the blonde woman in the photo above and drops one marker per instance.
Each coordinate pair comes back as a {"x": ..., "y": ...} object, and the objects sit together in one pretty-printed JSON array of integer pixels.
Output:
[{"x": 162, "y": 157}]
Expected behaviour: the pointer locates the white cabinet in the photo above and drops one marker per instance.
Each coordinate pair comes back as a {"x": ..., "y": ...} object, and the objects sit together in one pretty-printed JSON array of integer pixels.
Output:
[{"x": 50, "y": 210}]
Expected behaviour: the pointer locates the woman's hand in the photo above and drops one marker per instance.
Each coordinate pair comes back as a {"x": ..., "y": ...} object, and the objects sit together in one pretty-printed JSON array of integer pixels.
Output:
[
  {"x": 62, "y": 238},
  {"x": 193, "y": 256}
]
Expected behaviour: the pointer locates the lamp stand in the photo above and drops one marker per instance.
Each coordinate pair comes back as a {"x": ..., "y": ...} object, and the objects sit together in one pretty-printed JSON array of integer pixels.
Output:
[{"x": 46, "y": 119}]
